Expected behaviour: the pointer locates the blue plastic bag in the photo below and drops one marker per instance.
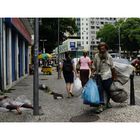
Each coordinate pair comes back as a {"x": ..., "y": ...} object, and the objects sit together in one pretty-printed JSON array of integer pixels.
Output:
[{"x": 90, "y": 93}]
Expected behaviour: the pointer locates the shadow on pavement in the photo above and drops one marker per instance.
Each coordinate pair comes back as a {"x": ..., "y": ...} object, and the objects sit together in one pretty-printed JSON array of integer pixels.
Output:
[{"x": 88, "y": 116}]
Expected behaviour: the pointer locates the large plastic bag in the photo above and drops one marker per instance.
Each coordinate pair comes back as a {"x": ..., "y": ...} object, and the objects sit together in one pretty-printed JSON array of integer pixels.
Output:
[
  {"x": 22, "y": 99},
  {"x": 90, "y": 93},
  {"x": 123, "y": 72},
  {"x": 77, "y": 85},
  {"x": 117, "y": 93}
]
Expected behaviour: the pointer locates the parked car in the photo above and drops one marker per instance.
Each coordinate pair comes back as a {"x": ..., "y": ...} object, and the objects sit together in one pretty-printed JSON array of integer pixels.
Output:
[{"x": 115, "y": 55}]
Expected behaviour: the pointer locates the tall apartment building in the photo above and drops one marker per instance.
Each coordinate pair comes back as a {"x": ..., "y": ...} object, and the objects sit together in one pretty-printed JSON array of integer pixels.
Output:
[
  {"x": 78, "y": 23},
  {"x": 89, "y": 29}
]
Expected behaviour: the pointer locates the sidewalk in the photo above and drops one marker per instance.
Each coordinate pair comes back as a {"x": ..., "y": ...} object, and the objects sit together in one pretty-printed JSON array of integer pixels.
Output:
[{"x": 64, "y": 110}]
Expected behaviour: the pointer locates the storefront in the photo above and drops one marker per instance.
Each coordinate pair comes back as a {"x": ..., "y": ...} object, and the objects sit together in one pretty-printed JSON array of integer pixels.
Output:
[{"x": 14, "y": 51}]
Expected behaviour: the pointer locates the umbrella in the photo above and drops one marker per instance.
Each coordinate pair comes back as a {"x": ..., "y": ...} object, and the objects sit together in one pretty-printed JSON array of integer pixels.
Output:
[{"x": 44, "y": 56}]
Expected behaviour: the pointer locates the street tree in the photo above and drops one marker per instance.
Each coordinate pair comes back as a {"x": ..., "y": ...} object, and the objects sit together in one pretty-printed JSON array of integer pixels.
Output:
[
  {"x": 49, "y": 31},
  {"x": 108, "y": 34},
  {"x": 130, "y": 34}
]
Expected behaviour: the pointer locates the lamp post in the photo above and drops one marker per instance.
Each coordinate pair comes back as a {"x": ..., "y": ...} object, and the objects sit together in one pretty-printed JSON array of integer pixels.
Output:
[{"x": 119, "y": 36}]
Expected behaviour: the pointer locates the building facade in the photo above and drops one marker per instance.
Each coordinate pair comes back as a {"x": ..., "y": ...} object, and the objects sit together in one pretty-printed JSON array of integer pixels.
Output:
[
  {"x": 78, "y": 23},
  {"x": 15, "y": 39},
  {"x": 70, "y": 45},
  {"x": 89, "y": 29}
]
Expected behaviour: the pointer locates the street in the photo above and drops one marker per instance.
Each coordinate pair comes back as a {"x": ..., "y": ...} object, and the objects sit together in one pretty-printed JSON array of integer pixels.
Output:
[{"x": 63, "y": 110}]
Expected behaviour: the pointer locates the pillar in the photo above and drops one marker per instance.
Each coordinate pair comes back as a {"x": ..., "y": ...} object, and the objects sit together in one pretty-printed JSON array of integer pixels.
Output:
[
  {"x": 16, "y": 58},
  {"x": 23, "y": 58},
  {"x": 9, "y": 57}
]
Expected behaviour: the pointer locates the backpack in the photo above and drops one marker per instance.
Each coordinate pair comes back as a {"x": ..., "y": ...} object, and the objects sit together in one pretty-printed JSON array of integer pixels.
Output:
[{"x": 67, "y": 66}]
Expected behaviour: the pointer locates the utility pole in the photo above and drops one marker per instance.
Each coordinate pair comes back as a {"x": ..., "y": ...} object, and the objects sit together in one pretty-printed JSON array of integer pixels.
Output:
[
  {"x": 59, "y": 76},
  {"x": 35, "y": 78}
]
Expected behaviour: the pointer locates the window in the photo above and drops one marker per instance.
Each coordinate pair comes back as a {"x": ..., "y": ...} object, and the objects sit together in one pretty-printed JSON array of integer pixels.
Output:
[
  {"x": 97, "y": 22},
  {"x": 86, "y": 28},
  {"x": 92, "y": 42},
  {"x": 97, "y": 27},
  {"x": 92, "y": 32},
  {"x": 92, "y": 22},
  {"x": 92, "y": 27},
  {"x": 82, "y": 37},
  {"x": 87, "y": 37},
  {"x": 86, "y": 42}
]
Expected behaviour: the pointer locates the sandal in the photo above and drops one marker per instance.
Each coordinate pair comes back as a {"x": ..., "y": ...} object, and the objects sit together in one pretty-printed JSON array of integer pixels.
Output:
[
  {"x": 71, "y": 94},
  {"x": 99, "y": 109},
  {"x": 108, "y": 105},
  {"x": 19, "y": 111}
]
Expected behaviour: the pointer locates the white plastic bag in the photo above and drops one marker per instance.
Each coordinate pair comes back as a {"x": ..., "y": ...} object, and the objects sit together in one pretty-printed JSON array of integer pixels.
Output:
[
  {"x": 22, "y": 99},
  {"x": 77, "y": 85},
  {"x": 123, "y": 72}
]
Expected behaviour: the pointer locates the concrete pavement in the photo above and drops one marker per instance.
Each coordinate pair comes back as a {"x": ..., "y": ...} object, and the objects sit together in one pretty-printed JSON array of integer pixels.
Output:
[{"x": 64, "y": 110}]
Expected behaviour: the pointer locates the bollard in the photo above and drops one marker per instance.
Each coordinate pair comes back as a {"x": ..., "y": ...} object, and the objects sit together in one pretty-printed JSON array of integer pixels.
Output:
[{"x": 132, "y": 92}]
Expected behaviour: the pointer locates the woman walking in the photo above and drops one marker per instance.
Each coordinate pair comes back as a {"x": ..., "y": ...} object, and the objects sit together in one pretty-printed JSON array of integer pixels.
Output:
[
  {"x": 85, "y": 63},
  {"x": 68, "y": 73}
]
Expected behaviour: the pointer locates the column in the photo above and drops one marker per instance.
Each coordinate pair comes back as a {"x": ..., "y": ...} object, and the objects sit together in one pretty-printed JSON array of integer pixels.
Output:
[
  {"x": 28, "y": 58},
  {"x": 9, "y": 57},
  {"x": 23, "y": 58},
  {"x": 3, "y": 58},
  {"x": 16, "y": 58}
]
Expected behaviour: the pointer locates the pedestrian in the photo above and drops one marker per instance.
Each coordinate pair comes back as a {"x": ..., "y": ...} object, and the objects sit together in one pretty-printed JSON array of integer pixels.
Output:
[
  {"x": 16, "y": 104},
  {"x": 85, "y": 71},
  {"x": 104, "y": 68},
  {"x": 68, "y": 73}
]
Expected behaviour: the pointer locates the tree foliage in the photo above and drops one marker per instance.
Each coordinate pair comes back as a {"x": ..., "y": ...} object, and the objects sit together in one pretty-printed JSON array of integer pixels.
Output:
[
  {"x": 129, "y": 34},
  {"x": 49, "y": 31},
  {"x": 108, "y": 34}
]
